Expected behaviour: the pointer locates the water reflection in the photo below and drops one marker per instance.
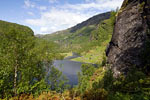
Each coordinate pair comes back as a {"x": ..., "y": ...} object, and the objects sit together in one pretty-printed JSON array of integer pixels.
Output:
[{"x": 70, "y": 69}]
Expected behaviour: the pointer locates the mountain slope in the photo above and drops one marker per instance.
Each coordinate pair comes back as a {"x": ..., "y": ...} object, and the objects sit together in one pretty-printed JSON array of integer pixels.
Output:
[
  {"x": 76, "y": 37},
  {"x": 83, "y": 28},
  {"x": 95, "y": 20},
  {"x": 101, "y": 36}
]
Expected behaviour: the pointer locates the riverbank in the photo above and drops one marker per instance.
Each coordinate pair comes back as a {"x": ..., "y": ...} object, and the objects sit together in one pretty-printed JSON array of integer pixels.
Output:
[{"x": 94, "y": 56}]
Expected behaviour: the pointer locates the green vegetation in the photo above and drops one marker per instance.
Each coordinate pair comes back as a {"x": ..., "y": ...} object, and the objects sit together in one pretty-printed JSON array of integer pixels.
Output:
[
  {"x": 24, "y": 61},
  {"x": 84, "y": 77},
  {"x": 71, "y": 41},
  {"x": 89, "y": 41},
  {"x": 95, "y": 50},
  {"x": 57, "y": 80},
  {"x": 6, "y": 27},
  {"x": 78, "y": 38}
]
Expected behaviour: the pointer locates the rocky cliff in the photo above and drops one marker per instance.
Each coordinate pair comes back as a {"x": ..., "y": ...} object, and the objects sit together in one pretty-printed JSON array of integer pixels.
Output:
[{"x": 130, "y": 37}]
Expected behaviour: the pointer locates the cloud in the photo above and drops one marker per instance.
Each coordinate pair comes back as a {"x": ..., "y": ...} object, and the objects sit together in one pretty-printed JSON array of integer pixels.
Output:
[
  {"x": 89, "y": 0},
  {"x": 67, "y": 15},
  {"x": 55, "y": 20},
  {"x": 28, "y": 4},
  {"x": 42, "y": 7},
  {"x": 30, "y": 13},
  {"x": 97, "y": 5},
  {"x": 53, "y": 1},
  {"x": 44, "y": 29}
]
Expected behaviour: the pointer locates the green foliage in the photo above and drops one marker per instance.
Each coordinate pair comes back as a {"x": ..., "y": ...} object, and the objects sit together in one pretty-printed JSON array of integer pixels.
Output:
[
  {"x": 123, "y": 96},
  {"x": 108, "y": 79},
  {"x": 98, "y": 94},
  {"x": 15, "y": 47},
  {"x": 58, "y": 82},
  {"x": 146, "y": 55},
  {"x": 119, "y": 96},
  {"x": 134, "y": 86},
  {"x": 141, "y": 6},
  {"x": 84, "y": 77},
  {"x": 99, "y": 38},
  {"x": 24, "y": 61},
  {"x": 6, "y": 27},
  {"x": 105, "y": 29},
  {"x": 104, "y": 61}
]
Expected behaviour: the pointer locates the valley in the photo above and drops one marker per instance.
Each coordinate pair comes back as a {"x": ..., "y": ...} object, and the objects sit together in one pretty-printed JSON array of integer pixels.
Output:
[{"x": 105, "y": 57}]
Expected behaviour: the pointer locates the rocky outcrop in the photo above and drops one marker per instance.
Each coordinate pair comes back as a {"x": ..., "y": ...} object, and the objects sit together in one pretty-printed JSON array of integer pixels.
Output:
[{"x": 130, "y": 36}]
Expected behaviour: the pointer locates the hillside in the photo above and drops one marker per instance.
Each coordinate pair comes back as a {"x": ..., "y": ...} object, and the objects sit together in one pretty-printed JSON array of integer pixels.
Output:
[
  {"x": 95, "y": 20},
  {"x": 77, "y": 35},
  {"x": 84, "y": 36},
  {"x": 83, "y": 28},
  {"x": 6, "y": 27},
  {"x": 100, "y": 37}
]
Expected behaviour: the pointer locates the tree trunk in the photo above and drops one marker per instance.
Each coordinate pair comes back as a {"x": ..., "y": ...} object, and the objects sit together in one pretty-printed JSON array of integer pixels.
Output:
[{"x": 15, "y": 79}]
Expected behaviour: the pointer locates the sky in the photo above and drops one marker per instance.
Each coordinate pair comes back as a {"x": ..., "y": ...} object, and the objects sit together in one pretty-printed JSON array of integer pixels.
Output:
[{"x": 48, "y": 16}]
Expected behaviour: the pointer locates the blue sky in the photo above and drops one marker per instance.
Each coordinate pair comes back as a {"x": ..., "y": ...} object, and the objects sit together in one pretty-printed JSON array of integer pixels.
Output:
[{"x": 47, "y": 16}]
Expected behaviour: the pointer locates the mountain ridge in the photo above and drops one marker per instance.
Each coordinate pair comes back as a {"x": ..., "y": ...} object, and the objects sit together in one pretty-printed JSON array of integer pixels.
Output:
[
  {"x": 79, "y": 36},
  {"x": 91, "y": 21},
  {"x": 95, "y": 20}
]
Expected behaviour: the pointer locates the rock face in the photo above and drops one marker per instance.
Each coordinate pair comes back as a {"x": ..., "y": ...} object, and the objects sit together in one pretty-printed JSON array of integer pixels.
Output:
[{"x": 130, "y": 36}]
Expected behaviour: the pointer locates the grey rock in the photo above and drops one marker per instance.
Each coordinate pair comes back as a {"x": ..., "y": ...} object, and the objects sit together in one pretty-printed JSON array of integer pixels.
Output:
[{"x": 129, "y": 38}]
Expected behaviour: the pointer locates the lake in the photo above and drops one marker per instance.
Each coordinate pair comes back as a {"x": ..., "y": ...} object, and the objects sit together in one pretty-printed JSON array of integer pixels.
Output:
[{"x": 70, "y": 69}]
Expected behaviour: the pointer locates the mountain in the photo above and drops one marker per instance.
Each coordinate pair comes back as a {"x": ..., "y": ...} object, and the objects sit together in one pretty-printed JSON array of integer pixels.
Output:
[
  {"x": 6, "y": 27},
  {"x": 83, "y": 28},
  {"x": 129, "y": 45},
  {"x": 95, "y": 20},
  {"x": 78, "y": 36}
]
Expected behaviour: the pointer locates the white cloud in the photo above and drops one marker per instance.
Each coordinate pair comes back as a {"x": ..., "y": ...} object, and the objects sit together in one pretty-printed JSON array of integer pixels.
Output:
[
  {"x": 53, "y": 1},
  {"x": 65, "y": 16},
  {"x": 28, "y": 4},
  {"x": 42, "y": 7},
  {"x": 30, "y": 13},
  {"x": 43, "y": 29},
  {"x": 55, "y": 20},
  {"x": 97, "y": 5},
  {"x": 89, "y": 0}
]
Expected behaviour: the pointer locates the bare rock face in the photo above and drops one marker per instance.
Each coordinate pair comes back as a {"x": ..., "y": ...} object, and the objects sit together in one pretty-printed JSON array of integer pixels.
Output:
[{"x": 130, "y": 36}]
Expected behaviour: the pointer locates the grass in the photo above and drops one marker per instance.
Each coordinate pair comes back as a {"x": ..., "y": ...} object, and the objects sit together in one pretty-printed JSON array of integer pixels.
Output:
[
  {"x": 95, "y": 55},
  {"x": 66, "y": 54}
]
